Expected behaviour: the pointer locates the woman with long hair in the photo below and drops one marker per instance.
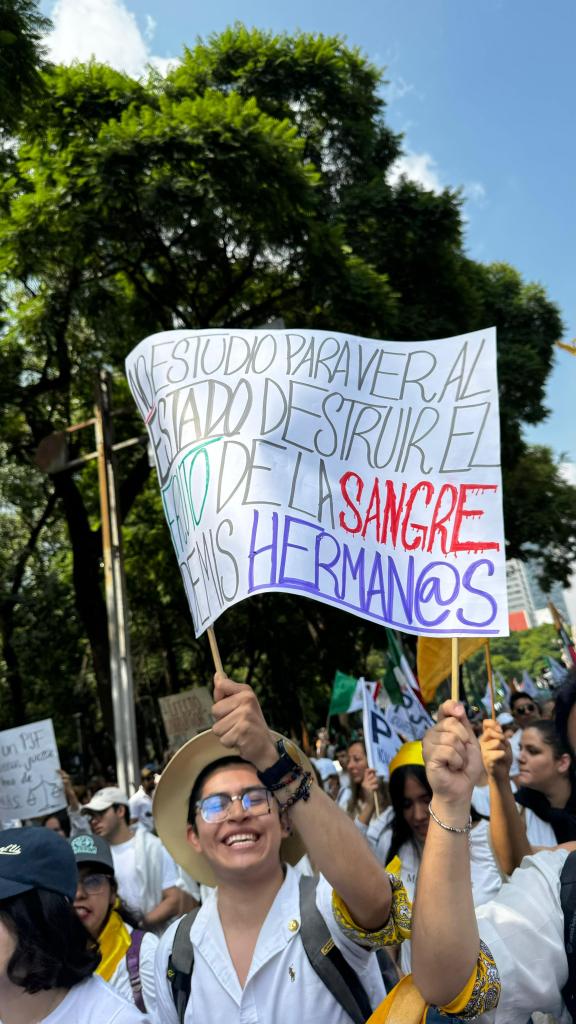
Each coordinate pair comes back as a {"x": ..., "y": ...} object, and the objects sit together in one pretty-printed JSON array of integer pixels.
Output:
[
  {"x": 364, "y": 785},
  {"x": 546, "y": 796},
  {"x": 128, "y": 953},
  {"x": 47, "y": 958}
]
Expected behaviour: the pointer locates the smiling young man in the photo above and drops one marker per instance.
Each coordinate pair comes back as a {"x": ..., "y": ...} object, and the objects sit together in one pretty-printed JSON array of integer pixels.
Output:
[{"x": 237, "y": 807}]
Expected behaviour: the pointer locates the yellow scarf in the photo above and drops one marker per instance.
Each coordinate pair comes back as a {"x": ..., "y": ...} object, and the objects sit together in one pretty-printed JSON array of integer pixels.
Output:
[{"x": 114, "y": 941}]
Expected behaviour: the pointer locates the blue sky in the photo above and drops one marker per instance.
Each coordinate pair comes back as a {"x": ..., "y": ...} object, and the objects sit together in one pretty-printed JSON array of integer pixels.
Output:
[{"x": 483, "y": 91}]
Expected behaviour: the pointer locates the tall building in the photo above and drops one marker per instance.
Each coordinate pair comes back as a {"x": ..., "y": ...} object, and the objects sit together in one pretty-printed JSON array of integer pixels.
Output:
[{"x": 527, "y": 602}]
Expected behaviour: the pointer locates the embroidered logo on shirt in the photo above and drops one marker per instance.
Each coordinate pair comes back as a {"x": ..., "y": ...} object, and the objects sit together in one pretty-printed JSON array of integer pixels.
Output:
[
  {"x": 12, "y": 850},
  {"x": 292, "y": 974}
]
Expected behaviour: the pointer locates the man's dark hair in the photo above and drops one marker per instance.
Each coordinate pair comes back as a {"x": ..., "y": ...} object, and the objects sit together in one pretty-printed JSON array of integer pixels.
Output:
[
  {"x": 565, "y": 700},
  {"x": 518, "y": 695},
  {"x": 126, "y": 811},
  {"x": 53, "y": 948},
  {"x": 206, "y": 772}
]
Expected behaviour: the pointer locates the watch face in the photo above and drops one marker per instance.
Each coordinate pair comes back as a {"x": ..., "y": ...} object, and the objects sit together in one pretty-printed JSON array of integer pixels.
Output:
[{"x": 293, "y": 751}]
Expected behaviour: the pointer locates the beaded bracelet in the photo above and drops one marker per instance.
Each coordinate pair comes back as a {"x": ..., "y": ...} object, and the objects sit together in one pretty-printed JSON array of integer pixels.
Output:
[
  {"x": 450, "y": 828},
  {"x": 302, "y": 793},
  {"x": 295, "y": 773}
]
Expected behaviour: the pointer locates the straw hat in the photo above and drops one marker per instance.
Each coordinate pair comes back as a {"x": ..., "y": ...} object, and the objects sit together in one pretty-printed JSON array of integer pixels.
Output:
[{"x": 173, "y": 795}]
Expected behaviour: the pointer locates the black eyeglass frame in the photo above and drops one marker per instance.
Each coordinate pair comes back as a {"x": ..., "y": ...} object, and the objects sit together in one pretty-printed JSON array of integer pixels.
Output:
[{"x": 525, "y": 709}]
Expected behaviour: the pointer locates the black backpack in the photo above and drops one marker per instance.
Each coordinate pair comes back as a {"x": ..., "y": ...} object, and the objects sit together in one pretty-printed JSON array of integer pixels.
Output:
[{"x": 324, "y": 956}]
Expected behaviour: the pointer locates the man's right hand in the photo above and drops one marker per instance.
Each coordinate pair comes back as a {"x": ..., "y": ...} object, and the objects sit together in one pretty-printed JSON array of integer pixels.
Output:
[
  {"x": 452, "y": 756},
  {"x": 496, "y": 751}
]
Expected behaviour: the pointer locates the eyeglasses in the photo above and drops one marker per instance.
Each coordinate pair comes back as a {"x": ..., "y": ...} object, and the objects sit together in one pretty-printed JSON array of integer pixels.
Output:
[
  {"x": 216, "y": 807},
  {"x": 525, "y": 709},
  {"x": 93, "y": 884}
]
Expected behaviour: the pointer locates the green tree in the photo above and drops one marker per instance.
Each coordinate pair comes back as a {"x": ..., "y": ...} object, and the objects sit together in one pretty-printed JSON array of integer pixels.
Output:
[
  {"x": 251, "y": 183},
  {"x": 22, "y": 56}
]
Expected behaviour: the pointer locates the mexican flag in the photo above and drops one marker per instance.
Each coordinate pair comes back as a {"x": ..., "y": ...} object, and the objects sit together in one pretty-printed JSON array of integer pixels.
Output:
[{"x": 347, "y": 694}]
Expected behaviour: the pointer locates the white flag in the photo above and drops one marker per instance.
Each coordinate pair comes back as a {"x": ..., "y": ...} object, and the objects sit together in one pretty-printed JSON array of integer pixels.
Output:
[{"x": 380, "y": 739}]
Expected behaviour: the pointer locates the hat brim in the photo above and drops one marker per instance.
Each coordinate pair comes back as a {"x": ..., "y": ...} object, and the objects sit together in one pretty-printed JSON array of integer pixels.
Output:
[
  {"x": 9, "y": 888},
  {"x": 172, "y": 797}
]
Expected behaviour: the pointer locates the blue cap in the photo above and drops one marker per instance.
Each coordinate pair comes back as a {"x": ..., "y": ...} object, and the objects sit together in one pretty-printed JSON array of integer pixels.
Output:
[{"x": 36, "y": 858}]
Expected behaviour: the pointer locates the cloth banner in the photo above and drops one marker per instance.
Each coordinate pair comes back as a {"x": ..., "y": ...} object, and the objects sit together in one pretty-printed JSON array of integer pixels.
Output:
[
  {"x": 347, "y": 694},
  {"x": 434, "y": 660},
  {"x": 380, "y": 739},
  {"x": 364, "y": 474},
  {"x": 30, "y": 786}
]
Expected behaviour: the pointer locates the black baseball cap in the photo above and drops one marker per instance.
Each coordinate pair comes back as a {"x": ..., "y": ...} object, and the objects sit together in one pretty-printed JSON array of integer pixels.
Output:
[
  {"x": 92, "y": 849},
  {"x": 36, "y": 858}
]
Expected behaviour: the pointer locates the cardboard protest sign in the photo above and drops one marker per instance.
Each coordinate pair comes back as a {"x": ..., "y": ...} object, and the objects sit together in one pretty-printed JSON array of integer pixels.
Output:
[
  {"x": 380, "y": 739},
  {"x": 29, "y": 782},
  {"x": 186, "y": 714},
  {"x": 362, "y": 473}
]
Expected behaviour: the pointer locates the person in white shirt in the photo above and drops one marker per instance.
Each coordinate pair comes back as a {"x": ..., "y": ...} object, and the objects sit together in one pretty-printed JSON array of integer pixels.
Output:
[
  {"x": 148, "y": 880},
  {"x": 140, "y": 804},
  {"x": 510, "y": 952},
  {"x": 237, "y": 807},
  {"x": 524, "y": 711},
  {"x": 47, "y": 957},
  {"x": 128, "y": 953}
]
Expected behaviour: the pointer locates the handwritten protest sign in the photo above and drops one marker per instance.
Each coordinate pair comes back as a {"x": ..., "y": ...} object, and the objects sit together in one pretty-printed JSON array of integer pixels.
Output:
[
  {"x": 186, "y": 714},
  {"x": 364, "y": 474},
  {"x": 29, "y": 782},
  {"x": 409, "y": 718},
  {"x": 380, "y": 739}
]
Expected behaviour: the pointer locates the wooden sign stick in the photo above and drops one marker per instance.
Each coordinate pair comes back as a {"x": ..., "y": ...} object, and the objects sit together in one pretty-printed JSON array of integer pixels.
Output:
[
  {"x": 490, "y": 678},
  {"x": 376, "y": 805},
  {"x": 215, "y": 652},
  {"x": 455, "y": 691}
]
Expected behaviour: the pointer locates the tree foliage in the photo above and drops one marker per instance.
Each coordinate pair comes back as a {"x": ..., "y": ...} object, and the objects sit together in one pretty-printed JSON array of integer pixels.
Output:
[
  {"x": 251, "y": 183},
  {"x": 22, "y": 56}
]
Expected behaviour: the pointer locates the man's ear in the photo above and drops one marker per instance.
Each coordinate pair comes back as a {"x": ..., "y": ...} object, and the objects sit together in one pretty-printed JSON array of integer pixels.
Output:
[{"x": 193, "y": 839}]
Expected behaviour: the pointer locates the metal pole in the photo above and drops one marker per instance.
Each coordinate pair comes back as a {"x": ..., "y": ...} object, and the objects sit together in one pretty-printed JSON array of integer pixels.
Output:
[{"x": 125, "y": 741}]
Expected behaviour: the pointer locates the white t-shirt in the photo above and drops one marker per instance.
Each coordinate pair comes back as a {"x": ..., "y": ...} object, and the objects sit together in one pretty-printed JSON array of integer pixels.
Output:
[
  {"x": 141, "y": 810},
  {"x": 124, "y": 857},
  {"x": 94, "y": 1002},
  {"x": 120, "y": 980}
]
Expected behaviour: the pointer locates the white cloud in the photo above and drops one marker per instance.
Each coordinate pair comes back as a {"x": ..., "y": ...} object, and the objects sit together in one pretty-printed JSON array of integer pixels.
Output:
[
  {"x": 106, "y": 30},
  {"x": 475, "y": 192},
  {"x": 418, "y": 167},
  {"x": 397, "y": 89}
]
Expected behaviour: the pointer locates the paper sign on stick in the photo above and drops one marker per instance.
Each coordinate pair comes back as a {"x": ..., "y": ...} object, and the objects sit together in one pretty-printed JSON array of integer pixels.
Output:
[
  {"x": 361, "y": 473},
  {"x": 380, "y": 740},
  {"x": 409, "y": 718},
  {"x": 29, "y": 782}
]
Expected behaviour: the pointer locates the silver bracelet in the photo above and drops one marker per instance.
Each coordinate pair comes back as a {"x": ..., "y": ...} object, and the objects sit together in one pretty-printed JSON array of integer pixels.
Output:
[{"x": 451, "y": 828}]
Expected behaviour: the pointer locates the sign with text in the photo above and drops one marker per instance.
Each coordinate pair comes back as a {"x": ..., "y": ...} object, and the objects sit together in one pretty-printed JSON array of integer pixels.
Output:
[
  {"x": 30, "y": 786},
  {"x": 186, "y": 714},
  {"x": 410, "y": 718},
  {"x": 364, "y": 474},
  {"x": 382, "y": 742}
]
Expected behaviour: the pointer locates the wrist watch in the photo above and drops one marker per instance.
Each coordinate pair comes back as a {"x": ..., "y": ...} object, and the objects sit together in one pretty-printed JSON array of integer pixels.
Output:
[{"x": 289, "y": 760}]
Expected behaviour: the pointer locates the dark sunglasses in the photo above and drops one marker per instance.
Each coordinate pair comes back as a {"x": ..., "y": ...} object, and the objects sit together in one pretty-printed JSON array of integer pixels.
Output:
[{"x": 525, "y": 709}]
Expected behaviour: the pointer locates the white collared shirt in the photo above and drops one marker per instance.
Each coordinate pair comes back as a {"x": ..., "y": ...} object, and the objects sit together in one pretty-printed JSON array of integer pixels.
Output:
[
  {"x": 281, "y": 985},
  {"x": 523, "y": 926}
]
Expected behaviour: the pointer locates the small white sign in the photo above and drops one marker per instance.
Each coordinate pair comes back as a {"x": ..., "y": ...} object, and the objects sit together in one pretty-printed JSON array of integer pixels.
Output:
[
  {"x": 30, "y": 786},
  {"x": 380, "y": 739}
]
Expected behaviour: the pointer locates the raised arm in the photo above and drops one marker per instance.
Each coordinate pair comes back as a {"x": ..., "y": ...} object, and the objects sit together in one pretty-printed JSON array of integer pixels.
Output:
[
  {"x": 333, "y": 842},
  {"x": 507, "y": 831},
  {"x": 445, "y": 941}
]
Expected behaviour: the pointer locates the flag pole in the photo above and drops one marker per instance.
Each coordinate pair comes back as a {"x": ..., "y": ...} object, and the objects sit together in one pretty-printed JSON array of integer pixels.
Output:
[
  {"x": 376, "y": 804},
  {"x": 455, "y": 692},
  {"x": 490, "y": 678},
  {"x": 214, "y": 648}
]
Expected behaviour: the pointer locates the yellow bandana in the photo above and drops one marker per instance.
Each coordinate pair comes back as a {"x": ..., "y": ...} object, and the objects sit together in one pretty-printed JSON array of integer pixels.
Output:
[{"x": 114, "y": 941}]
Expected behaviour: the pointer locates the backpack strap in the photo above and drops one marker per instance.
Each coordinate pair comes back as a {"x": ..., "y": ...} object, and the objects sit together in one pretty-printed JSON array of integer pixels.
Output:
[
  {"x": 568, "y": 904},
  {"x": 181, "y": 963},
  {"x": 327, "y": 960},
  {"x": 133, "y": 967}
]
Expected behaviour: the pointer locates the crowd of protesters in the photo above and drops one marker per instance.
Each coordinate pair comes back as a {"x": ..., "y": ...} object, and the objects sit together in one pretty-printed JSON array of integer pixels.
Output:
[{"x": 263, "y": 885}]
